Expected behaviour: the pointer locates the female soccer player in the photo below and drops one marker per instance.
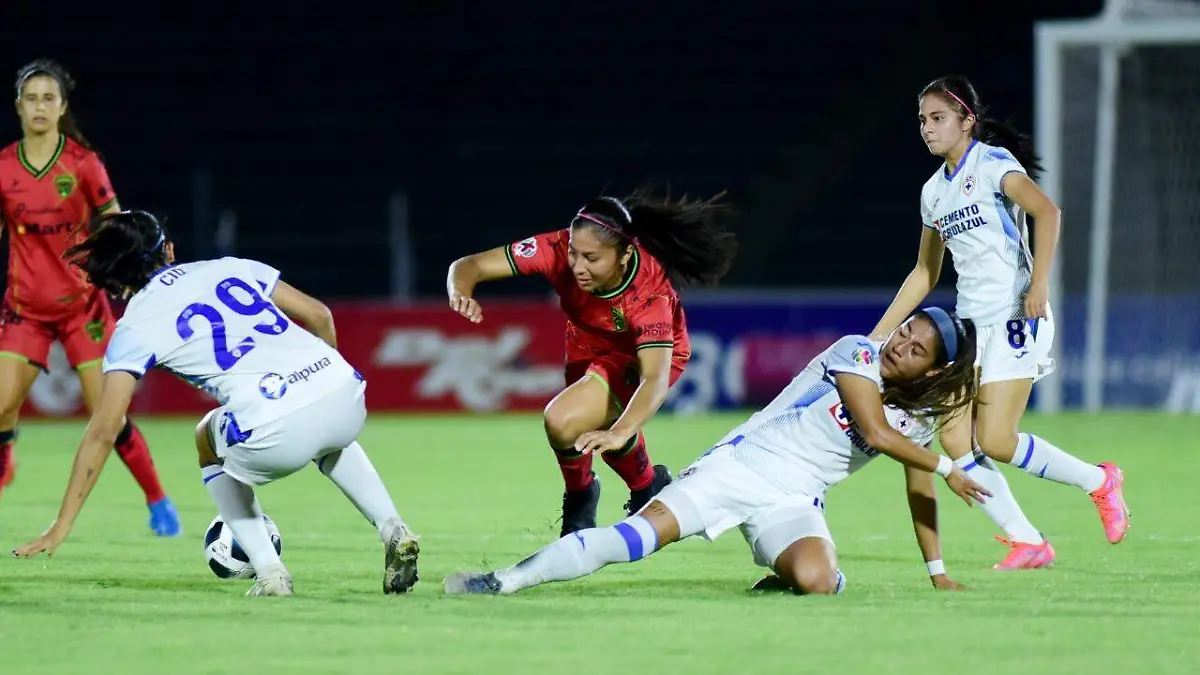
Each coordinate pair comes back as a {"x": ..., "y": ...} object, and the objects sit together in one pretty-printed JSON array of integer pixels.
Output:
[
  {"x": 976, "y": 204},
  {"x": 288, "y": 397},
  {"x": 51, "y": 183},
  {"x": 769, "y": 475},
  {"x": 615, "y": 270}
]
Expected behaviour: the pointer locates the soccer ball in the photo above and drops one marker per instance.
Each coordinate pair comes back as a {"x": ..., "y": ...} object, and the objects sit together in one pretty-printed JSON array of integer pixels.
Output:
[{"x": 225, "y": 556}]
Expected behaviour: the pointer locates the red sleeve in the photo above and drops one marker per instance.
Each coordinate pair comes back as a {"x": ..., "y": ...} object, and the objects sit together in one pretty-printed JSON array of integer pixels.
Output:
[
  {"x": 544, "y": 254},
  {"x": 96, "y": 185},
  {"x": 652, "y": 323}
]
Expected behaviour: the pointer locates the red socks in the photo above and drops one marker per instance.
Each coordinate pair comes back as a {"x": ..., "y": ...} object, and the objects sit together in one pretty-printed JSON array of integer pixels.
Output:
[
  {"x": 133, "y": 451},
  {"x": 632, "y": 464},
  {"x": 576, "y": 469}
]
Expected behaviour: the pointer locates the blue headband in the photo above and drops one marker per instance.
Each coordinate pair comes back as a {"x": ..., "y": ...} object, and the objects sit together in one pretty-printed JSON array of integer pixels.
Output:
[{"x": 947, "y": 327}]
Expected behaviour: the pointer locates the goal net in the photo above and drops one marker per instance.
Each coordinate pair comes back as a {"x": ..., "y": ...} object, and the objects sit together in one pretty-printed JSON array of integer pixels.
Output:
[{"x": 1118, "y": 122}]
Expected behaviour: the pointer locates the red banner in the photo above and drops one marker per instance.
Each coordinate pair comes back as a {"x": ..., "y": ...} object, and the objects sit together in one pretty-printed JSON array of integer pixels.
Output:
[{"x": 417, "y": 358}]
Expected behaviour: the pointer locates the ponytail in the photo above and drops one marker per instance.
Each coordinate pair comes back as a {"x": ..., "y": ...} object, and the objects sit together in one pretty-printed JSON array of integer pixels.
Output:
[
  {"x": 688, "y": 238},
  {"x": 1007, "y": 136}
]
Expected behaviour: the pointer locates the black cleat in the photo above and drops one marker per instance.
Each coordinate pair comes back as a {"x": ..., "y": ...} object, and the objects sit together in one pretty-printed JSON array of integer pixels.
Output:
[
  {"x": 771, "y": 583},
  {"x": 579, "y": 508},
  {"x": 471, "y": 583},
  {"x": 640, "y": 498}
]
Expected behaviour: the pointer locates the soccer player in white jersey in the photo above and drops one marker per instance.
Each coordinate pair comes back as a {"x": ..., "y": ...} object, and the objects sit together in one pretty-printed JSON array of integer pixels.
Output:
[
  {"x": 287, "y": 396},
  {"x": 768, "y": 476},
  {"x": 975, "y": 204}
]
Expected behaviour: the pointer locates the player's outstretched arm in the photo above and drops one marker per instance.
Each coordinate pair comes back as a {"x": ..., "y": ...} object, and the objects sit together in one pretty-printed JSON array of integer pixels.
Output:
[
  {"x": 922, "y": 504},
  {"x": 919, "y": 282},
  {"x": 655, "y": 364},
  {"x": 313, "y": 313},
  {"x": 107, "y": 420},
  {"x": 468, "y": 271},
  {"x": 861, "y": 398}
]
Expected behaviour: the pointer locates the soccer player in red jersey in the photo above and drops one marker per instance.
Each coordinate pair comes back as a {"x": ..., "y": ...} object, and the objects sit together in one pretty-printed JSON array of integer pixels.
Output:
[
  {"x": 51, "y": 183},
  {"x": 615, "y": 270}
]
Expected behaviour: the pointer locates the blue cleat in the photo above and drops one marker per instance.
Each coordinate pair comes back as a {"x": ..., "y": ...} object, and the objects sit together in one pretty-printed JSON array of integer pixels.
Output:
[
  {"x": 164, "y": 519},
  {"x": 471, "y": 583}
]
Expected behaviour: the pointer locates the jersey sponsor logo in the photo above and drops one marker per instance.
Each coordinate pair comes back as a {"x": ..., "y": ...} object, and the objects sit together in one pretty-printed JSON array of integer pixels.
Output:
[
  {"x": 526, "y": 248},
  {"x": 618, "y": 319},
  {"x": 64, "y": 184},
  {"x": 968, "y": 184},
  {"x": 956, "y": 222},
  {"x": 658, "y": 329},
  {"x": 272, "y": 386},
  {"x": 308, "y": 371},
  {"x": 44, "y": 229},
  {"x": 845, "y": 422}
]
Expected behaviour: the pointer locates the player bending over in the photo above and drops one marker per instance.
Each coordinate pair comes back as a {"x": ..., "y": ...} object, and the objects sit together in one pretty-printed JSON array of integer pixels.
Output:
[
  {"x": 287, "y": 396},
  {"x": 615, "y": 270},
  {"x": 975, "y": 204},
  {"x": 769, "y": 476}
]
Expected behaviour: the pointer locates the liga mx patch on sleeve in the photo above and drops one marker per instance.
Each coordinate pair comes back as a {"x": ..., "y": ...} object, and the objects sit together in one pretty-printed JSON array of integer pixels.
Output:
[
  {"x": 864, "y": 355},
  {"x": 526, "y": 248}
]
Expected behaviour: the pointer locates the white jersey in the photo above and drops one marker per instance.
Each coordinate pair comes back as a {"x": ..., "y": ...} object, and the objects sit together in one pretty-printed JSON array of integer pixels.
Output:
[
  {"x": 985, "y": 232},
  {"x": 806, "y": 437},
  {"x": 213, "y": 324}
]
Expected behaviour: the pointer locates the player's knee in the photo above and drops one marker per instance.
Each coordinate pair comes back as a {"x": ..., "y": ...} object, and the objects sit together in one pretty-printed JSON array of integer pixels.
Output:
[
  {"x": 813, "y": 579},
  {"x": 564, "y": 424},
  {"x": 206, "y": 455},
  {"x": 996, "y": 443}
]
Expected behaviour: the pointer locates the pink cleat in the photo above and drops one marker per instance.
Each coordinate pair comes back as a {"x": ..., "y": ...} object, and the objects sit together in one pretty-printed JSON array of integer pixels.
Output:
[
  {"x": 1110, "y": 502},
  {"x": 1022, "y": 556}
]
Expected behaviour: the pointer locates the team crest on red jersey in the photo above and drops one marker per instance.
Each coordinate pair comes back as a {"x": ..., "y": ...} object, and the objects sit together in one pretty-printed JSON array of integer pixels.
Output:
[
  {"x": 526, "y": 248},
  {"x": 64, "y": 184},
  {"x": 619, "y": 323}
]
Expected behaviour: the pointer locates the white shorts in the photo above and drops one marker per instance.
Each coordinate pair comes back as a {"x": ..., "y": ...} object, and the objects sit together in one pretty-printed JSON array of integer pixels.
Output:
[
  {"x": 717, "y": 493},
  {"x": 284, "y": 446},
  {"x": 1015, "y": 350}
]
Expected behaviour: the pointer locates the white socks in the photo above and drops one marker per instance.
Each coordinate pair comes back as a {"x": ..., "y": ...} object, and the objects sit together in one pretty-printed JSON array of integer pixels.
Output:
[
  {"x": 1002, "y": 507},
  {"x": 351, "y": 470},
  {"x": 581, "y": 553},
  {"x": 240, "y": 511},
  {"x": 1037, "y": 456}
]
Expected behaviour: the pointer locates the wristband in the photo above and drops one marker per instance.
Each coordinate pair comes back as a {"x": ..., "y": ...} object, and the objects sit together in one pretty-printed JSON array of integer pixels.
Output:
[
  {"x": 944, "y": 466},
  {"x": 935, "y": 567}
]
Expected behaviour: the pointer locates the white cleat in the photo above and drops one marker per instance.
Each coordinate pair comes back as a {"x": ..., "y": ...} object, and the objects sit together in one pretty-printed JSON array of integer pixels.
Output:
[
  {"x": 273, "y": 582},
  {"x": 400, "y": 560}
]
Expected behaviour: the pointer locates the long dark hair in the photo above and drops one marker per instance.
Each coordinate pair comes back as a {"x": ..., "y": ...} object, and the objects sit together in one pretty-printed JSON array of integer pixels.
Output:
[
  {"x": 66, "y": 84},
  {"x": 123, "y": 251},
  {"x": 934, "y": 397},
  {"x": 687, "y": 237},
  {"x": 961, "y": 96}
]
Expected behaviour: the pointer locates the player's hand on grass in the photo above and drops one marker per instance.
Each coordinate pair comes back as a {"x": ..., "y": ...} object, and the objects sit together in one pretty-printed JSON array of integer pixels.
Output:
[
  {"x": 964, "y": 487},
  {"x": 48, "y": 543},
  {"x": 600, "y": 441},
  {"x": 945, "y": 583},
  {"x": 466, "y": 306}
]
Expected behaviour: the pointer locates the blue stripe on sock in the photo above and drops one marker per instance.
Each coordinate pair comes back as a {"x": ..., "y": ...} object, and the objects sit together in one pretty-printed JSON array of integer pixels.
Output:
[
  {"x": 208, "y": 478},
  {"x": 1028, "y": 453},
  {"x": 633, "y": 540},
  {"x": 970, "y": 466}
]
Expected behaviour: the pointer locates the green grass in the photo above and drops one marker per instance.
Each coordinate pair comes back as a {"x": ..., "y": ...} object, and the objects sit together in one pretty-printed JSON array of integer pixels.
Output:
[{"x": 483, "y": 491}]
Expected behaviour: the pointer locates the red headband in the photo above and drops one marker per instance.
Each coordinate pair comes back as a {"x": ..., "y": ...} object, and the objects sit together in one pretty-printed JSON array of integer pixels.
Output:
[
  {"x": 584, "y": 215},
  {"x": 960, "y": 102}
]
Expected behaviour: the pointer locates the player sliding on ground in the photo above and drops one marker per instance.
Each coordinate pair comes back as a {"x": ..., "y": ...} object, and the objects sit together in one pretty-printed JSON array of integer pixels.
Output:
[
  {"x": 288, "y": 397},
  {"x": 615, "y": 270},
  {"x": 975, "y": 204},
  {"x": 857, "y": 399}
]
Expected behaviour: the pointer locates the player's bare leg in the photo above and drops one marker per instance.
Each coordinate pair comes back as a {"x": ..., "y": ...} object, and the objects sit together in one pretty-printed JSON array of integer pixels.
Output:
[
  {"x": 240, "y": 511},
  {"x": 586, "y": 405},
  {"x": 807, "y": 567},
  {"x": 16, "y": 377},
  {"x": 1001, "y": 406},
  {"x": 133, "y": 450},
  {"x": 576, "y": 554}
]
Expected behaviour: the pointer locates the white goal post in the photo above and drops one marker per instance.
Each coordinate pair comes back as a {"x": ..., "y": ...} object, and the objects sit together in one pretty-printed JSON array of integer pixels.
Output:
[{"x": 1095, "y": 80}]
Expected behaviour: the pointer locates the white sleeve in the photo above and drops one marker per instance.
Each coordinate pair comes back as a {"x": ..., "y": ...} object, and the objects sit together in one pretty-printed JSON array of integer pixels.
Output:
[
  {"x": 995, "y": 165},
  {"x": 926, "y": 212},
  {"x": 126, "y": 352},
  {"x": 853, "y": 354},
  {"x": 264, "y": 274}
]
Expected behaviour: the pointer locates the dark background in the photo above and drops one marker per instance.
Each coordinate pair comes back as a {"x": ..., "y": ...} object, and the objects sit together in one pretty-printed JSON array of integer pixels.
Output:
[{"x": 498, "y": 121}]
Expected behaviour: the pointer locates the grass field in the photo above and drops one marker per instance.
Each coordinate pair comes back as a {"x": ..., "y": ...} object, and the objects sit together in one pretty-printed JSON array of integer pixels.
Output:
[{"x": 484, "y": 491}]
